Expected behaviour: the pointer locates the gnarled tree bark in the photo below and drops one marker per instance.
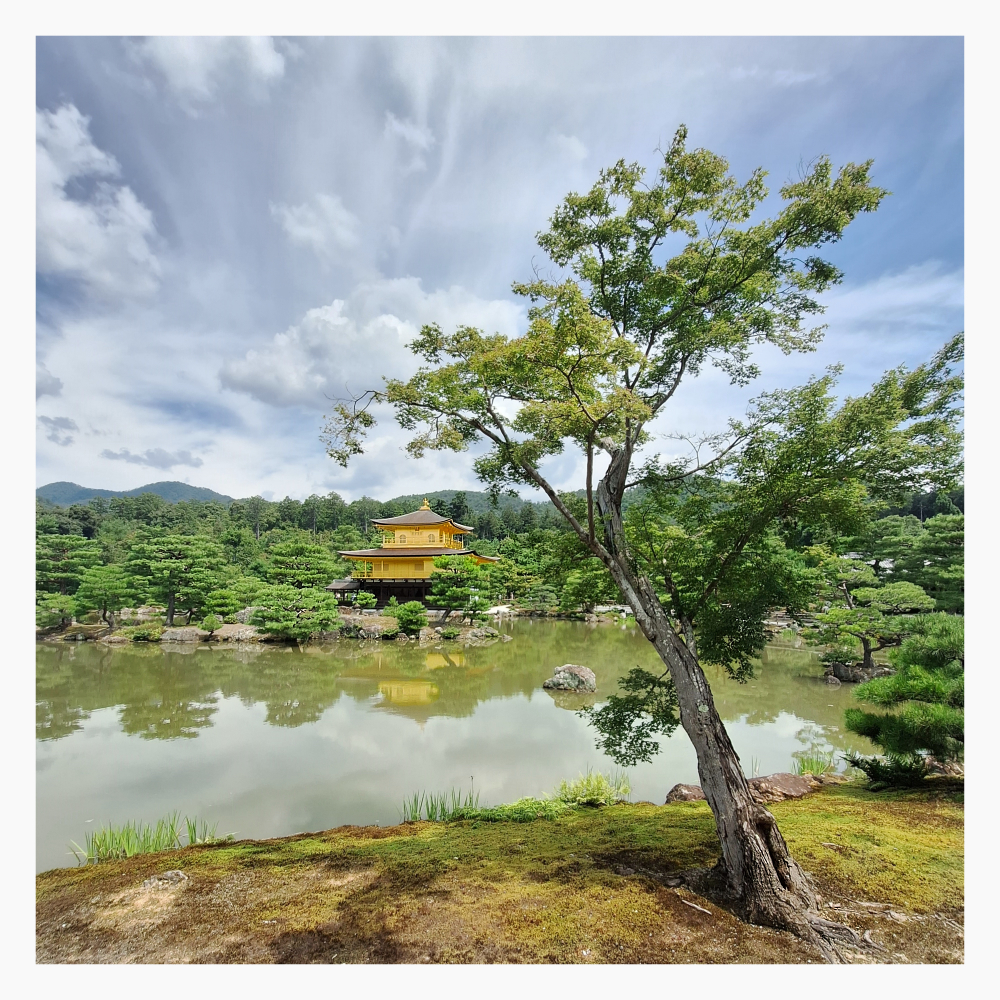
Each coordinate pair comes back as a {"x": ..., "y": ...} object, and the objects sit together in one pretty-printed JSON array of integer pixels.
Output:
[{"x": 763, "y": 883}]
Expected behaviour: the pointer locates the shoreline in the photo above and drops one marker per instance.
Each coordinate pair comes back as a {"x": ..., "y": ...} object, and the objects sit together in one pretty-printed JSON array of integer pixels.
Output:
[{"x": 594, "y": 885}]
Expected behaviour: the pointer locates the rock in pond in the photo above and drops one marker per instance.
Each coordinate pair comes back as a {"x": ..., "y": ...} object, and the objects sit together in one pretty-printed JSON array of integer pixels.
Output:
[
  {"x": 684, "y": 793},
  {"x": 572, "y": 677},
  {"x": 856, "y": 673}
]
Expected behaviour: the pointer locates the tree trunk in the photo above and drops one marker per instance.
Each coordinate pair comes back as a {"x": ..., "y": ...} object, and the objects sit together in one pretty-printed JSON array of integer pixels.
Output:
[
  {"x": 868, "y": 662},
  {"x": 170, "y": 611},
  {"x": 762, "y": 880}
]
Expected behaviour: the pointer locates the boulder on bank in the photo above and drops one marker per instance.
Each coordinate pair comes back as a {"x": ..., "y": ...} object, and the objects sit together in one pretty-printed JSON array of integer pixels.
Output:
[
  {"x": 767, "y": 789},
  {"x": 186, "y": 633},
  {"x": 80, "y": 632},
  {"x": 572, "y": 677},
  {"x": 684, "y": 793},
  {"x": 777, "y": 787}
]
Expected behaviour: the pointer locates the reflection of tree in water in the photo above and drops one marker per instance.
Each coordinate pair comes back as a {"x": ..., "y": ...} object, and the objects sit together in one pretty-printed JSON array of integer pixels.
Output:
[
  {"x": 151, "y": 684},
  {"x": 167, "y": 719}
]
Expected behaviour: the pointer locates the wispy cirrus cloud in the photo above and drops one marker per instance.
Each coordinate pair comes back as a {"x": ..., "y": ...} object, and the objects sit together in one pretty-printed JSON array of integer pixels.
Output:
[
  {"x": 325, "y": 226},
  {"x": 195, "y": 68}
]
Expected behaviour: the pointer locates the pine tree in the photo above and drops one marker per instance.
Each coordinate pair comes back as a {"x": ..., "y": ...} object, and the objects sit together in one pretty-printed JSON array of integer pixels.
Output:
[
  {"x": 301, "y": 564},
  {"x": 927, "y": 698},
  {"x": 106, "y": 589},
  {"x": 936, "y": 561},
  {"x": 61, "y": 561}
]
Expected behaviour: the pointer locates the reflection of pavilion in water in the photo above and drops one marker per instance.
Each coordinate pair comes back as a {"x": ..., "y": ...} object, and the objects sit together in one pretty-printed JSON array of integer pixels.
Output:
[{"x": 420, "y": 692}]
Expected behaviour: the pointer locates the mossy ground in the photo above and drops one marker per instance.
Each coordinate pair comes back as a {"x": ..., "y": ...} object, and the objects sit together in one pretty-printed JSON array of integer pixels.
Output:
[{"x": 586, "y": 887}]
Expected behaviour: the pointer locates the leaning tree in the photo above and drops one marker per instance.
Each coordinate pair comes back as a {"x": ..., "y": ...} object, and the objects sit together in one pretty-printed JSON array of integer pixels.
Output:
[{"x": 659, "y": 281}]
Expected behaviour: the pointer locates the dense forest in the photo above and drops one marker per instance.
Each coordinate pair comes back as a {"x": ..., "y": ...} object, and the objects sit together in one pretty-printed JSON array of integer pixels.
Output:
[{"x": 541, "y": 562}]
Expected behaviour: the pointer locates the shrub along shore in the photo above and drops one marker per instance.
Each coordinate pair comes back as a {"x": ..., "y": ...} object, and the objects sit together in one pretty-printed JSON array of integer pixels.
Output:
[{"x": 590, "y": 884}]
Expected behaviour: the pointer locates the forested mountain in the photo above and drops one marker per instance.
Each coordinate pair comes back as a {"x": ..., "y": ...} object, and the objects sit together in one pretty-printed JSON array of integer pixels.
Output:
[{"x": 65, "y": 494}]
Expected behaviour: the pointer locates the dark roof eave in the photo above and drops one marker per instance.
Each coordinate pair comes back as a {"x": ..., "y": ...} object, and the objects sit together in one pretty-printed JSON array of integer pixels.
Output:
[{"x": 423, "y": 553}]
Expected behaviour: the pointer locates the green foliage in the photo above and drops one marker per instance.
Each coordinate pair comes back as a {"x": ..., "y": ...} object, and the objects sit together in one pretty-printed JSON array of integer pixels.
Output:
[
  {"x": 875, "y": 617},
  {"x": 892, "y": 771},
  {"x": 300, "y": 564},
  {"x": 179, "y": 570},
  {"x": 927, "y": 695},
  {"x": 935, "y": 560},
  {"x": 541, "y": 597},
  {"x": 884, "y": 541},
  {"x": 365, "y": 599},
  {"x": 211, "y": 624},
  {"x": 114, "y": 843},
  {"x": 458, "y": 584},
  {"x": 54, "y": 610},
  {"x": 524, "y": 810},
  {"x": 594, "y": 789},
  {"x": 412, "y": 616},
  {"x": 105, "y": 589},
  {"x": 438, "y": 808},
  {"x": 628, "y": 723},
  {"x": 146, "y": 632},
  {"x": 927, "y": 698},
  {"x": 588, "y": 586},
  {"x": 295, "y": 613},
  {"x": 450, "y": 632},
  {"x": 224, "y": 604},
  {"x": 61, "y": 561}
]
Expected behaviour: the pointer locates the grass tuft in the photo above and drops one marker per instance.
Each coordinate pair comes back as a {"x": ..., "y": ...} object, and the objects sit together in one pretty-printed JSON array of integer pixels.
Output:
[
  {"x": 595, "y": 789},
  {"x": 441, "y": 808},
  {"x": 812, "y": 763},
  {"x": 114, "y": 843}
]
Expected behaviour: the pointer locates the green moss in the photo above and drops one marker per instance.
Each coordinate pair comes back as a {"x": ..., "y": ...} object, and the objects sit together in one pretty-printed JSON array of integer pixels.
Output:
[{"x": 541, "y": 891}]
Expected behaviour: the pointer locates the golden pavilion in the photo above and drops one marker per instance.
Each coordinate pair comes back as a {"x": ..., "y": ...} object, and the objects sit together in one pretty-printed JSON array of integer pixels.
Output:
[{"x": 402, "y": 567}]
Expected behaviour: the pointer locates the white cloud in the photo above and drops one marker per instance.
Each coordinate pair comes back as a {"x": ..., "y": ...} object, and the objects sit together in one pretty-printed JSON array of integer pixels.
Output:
[
  {"x": 156, "y": 458},
  {"x": 193, "y": 67},
  {"x": 57, "y": 426},
  {"x": 344, "y": 347},
  {"x": 570, "y": 147},
  {"x": 418, "y": 138},
  {"x": 46, "y": 384},
  {"x": 101, "y": 239},
  {"x": 416, "y": 135},
  {"x": 324, "y": 228}
]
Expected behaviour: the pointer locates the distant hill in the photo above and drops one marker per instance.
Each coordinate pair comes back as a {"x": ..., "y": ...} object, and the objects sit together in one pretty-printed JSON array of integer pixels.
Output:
[{"x": 64, "y": 494}]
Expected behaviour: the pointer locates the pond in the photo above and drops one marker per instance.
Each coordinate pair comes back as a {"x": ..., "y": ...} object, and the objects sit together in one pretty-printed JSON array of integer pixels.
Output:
[{"x": 275, "y": 740}]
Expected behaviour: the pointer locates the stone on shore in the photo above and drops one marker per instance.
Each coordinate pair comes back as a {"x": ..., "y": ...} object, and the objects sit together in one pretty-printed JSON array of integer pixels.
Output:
[
  {"x": 572, "y": 677},
  {"x": 684, "y": 793},
  {"x": 777, "y": 787}
]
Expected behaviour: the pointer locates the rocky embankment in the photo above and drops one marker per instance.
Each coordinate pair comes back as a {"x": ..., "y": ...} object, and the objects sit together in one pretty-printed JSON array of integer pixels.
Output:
[
  {"x": 143, "y": 626},
  {"x": 767, "y": 789}
]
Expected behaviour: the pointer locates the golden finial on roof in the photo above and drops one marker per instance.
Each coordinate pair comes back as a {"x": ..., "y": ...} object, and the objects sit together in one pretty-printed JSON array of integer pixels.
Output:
[{"x": 425, "y": 505}]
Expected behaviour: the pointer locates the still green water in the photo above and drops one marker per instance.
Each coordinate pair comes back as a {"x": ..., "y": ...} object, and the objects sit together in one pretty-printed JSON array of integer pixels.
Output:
[{"x": 270, "y": 741}]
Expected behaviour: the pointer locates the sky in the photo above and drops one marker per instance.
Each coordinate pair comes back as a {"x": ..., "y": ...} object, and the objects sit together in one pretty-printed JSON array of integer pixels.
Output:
[{"x": 233, "y": 231}]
